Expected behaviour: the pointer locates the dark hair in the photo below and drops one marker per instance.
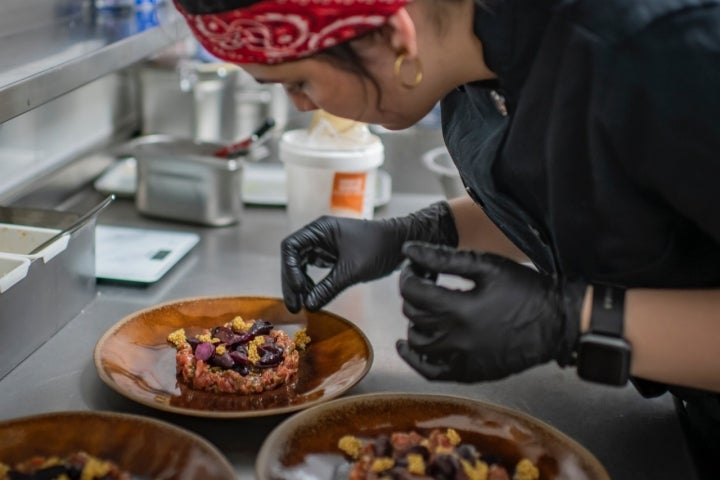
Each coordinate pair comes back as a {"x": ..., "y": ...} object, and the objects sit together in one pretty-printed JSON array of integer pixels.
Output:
[{"x": 344, "y": 57}]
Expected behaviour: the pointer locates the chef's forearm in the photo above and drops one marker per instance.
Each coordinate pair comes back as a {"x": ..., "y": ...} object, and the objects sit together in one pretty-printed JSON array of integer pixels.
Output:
[
  {"x": 477, "y": 232},
  {"x": 673, "y": 332}
]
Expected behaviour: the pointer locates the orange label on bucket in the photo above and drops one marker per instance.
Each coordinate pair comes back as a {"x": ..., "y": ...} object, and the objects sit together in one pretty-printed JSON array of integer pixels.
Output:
[{"x": 348, "y": 192}]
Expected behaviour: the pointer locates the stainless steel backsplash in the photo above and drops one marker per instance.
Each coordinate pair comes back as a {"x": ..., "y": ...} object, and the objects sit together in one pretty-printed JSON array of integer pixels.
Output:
[
  {"x": 38, "y": 142},
  {"x": 67, "y": 84},
  {"x": 19, "y": 15}
]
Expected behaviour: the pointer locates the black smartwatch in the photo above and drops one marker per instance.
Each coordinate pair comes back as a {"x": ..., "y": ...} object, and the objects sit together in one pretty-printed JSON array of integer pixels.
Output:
[{"x": 603, "y": 352}]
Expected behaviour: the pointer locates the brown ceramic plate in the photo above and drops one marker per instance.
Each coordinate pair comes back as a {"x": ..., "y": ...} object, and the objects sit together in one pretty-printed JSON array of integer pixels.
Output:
[
  {"x": 305, "y": 445},
  {"x": 135, "y": 359},
  {"x": 145, "y": 447}
]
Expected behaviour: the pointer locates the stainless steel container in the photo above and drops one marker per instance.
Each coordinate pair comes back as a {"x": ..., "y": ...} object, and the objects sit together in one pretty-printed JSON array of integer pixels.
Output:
[
  {"x": 58, "y": 283},
  {"x": 212, "y": 102},
  {"x": 189, "y": 99},
  {"x": 180, "y": 179}
]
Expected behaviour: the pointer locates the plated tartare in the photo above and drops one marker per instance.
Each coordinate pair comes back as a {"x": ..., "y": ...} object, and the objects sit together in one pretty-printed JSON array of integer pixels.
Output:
[
  {"x": 441, "y": 455},
  {"x": 239, "y": 356},
  {"x": 78, "y": 466}
]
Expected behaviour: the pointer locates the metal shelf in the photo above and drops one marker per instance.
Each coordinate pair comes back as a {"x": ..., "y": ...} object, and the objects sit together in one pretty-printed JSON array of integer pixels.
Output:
[{"x": 51, "y": 59}]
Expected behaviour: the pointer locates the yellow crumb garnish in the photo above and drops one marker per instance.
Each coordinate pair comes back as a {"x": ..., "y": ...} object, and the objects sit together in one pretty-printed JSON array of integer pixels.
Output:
[
  {"x": 525, "y": 470},
  {"x": 50, "y": 462},
  {"x": 204, "y": 337},
  {"x": 301, "y": 339},
  {"x": 477, "y": 471},
  {"x": 383, "y": 463},
  {"x": 252, "y": 352},
  {"x": 416, "y": 464},
  {"x": 453, "y": 436},
  {"x": 350, "y": 445},
  {"x": 240, "y": 325},
  {"x": 177, "y": 337},
  {"x": 95, "y": 469},
  {"x": 220, "y": 349}
]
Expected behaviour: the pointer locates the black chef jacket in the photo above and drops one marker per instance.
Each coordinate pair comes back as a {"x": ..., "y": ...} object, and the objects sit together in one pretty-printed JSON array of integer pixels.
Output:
[
  {"x": 607, "y": 164},
  {"x": 603, "y": 161}
]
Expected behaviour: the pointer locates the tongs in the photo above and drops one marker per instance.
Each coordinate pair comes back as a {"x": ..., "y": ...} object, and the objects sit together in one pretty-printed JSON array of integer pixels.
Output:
[
  {"x": 244, "y": 146},
  {"x": 81, "y": 220}
]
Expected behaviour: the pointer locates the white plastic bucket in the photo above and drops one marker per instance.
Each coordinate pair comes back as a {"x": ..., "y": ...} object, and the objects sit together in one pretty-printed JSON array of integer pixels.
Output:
[{"x": 327, "y": 179}]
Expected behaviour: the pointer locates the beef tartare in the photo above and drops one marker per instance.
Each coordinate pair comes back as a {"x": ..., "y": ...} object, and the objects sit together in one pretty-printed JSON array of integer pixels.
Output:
[
  {"x": 237, "y": 357},
  {"x": 78, "y": 466},
  {"x": 439, "y": 456}
]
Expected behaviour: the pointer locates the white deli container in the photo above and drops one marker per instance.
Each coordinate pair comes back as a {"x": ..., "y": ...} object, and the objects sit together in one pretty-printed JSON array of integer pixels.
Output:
[
  {"x": 12, "y": 270},
  {"x": 23, "y": 239},
  {"x": 327, "y": 179}
]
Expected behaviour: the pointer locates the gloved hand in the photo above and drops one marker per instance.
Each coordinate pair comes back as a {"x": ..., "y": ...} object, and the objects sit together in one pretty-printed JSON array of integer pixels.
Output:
[
  {"x": 511, "y": 319},
  {"x": 355, "y": 250}
]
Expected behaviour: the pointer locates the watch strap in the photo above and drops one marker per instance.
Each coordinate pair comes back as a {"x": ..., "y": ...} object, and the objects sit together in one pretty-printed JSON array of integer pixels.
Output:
[
  {"x": 604, "y": 355},
  {"x": 608, "y": 311}
]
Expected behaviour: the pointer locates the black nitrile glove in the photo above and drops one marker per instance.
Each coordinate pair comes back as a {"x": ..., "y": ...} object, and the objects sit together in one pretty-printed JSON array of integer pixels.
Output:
[
  {"x": 511, "y": 319},
  {"x": 356, "y": 250}
]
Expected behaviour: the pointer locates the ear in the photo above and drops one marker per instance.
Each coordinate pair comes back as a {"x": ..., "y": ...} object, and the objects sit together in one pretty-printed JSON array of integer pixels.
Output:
[{"x": 403, "y": 37}]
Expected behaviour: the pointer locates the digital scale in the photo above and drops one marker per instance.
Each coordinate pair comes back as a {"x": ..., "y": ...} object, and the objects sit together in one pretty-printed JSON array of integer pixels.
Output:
[{"x": 138, "y": 255}]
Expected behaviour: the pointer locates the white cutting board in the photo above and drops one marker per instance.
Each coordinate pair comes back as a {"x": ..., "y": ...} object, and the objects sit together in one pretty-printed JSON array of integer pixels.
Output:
[
  {"x": 138, "y": 255},
  {"x": 262, "y": 183}
]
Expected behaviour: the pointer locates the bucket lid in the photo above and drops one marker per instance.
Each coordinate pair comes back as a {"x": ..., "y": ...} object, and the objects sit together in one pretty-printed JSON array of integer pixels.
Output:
[{"x": 296, "y": 147}]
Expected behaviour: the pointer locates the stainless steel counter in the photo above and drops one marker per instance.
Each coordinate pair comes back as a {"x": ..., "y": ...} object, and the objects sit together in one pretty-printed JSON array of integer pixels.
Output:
[{"x": 635, "y": 438}]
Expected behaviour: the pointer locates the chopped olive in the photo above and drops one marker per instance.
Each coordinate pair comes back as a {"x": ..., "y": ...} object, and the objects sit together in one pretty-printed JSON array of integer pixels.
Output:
[{"x": 443, "y": 467}]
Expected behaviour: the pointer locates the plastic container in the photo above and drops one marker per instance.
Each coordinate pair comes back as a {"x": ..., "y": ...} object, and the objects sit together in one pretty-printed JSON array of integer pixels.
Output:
[
  {"x": 329, "y": 178},
  {"x": 22, "y": 239},
  {"x": 12, "y": 270}
]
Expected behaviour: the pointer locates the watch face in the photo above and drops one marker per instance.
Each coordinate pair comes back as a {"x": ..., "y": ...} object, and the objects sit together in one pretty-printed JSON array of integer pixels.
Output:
[{"x": 604, "y": 359}]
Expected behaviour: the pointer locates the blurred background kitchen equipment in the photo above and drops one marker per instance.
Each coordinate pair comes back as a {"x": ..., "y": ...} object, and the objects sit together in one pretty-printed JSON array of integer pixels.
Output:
[
  {"x": 244, "y": 147},
  {"x": 139, "y": 255},
  {"x": 181, "y": 179},
  {"x": 189, "y": 98},
  {"x": 439, "y": 162},
  {"x": 184, "y": 95}
]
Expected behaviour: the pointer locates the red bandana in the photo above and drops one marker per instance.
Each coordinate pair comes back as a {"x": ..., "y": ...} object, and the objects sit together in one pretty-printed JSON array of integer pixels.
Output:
[{"x": 273, "y": 31}]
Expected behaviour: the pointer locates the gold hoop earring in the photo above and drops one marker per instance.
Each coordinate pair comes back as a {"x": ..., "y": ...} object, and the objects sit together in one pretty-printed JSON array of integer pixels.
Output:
[{"x": 418, "y": 71}]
